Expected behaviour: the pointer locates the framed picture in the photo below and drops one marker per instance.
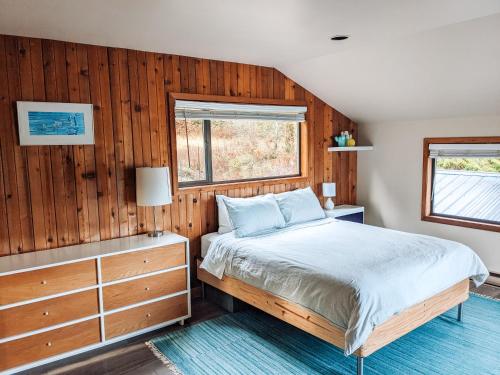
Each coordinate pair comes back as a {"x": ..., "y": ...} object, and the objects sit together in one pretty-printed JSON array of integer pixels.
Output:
[{"x": 42, "y": 123}]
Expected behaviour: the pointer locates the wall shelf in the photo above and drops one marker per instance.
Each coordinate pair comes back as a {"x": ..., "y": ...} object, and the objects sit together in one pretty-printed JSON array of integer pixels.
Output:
[{"x": 353, "y": 148}]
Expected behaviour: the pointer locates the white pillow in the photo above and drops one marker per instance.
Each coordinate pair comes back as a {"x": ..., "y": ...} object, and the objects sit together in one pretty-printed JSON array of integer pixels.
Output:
[
  {"x": 300, "y": 206},
  {"x": 254, "y": 216},
  {"x": 225, "y": 225}
]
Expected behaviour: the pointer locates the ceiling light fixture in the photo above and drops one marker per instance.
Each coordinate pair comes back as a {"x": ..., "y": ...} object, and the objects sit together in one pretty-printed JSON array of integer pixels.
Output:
[{"x": 339, "y": 37}]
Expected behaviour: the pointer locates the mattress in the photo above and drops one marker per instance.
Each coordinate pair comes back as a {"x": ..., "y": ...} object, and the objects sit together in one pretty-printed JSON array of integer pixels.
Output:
[
  {"x": 355, "y": 275},
  {"x": 206, "y": 240}
]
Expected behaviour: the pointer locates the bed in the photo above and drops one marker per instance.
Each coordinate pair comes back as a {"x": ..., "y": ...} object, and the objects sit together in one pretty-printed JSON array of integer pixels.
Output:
[{"x": 356, "y": 286}]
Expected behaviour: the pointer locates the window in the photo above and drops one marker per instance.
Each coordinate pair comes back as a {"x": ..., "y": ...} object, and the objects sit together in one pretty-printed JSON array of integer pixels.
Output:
[
  {"x": 461, "y": 183},
  {"x": 221, "y": 142}
]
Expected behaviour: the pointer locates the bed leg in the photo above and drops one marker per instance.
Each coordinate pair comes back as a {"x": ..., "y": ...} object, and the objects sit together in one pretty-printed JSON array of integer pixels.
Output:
[
  {"x": 202, "y": 290},
  {"x": 360, "y": 366},
  {"x": 460, "y": 312}
]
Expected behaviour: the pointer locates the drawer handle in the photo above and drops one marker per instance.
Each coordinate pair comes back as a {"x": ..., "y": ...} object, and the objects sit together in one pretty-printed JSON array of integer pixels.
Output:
[
  {"x": 44, "y": 282},
  {"x": 148, "y": 315},
  {"x": 146, "y": 260},
  {"x": 146, "y": 288},
  {"x": 49, "y": 344},
  {"x": 45, "y": 313}
]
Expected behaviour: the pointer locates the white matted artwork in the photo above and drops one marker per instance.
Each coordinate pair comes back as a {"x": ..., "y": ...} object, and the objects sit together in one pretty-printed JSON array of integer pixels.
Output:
[{"x": 42, "y": 123}]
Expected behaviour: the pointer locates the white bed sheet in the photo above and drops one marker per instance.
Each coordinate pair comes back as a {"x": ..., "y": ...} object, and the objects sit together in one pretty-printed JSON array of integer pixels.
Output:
[
  {"x": 355, "y": 275},
  {"x": 206, "y": 240}
]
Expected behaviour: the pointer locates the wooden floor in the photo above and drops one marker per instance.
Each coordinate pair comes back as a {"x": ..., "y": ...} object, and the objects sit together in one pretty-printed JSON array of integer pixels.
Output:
[{"x": 133, "y": 357}]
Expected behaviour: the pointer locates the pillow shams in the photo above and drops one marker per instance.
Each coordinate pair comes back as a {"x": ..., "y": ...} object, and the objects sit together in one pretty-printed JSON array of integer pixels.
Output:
[
  {"x": 254, "y": 216},
  {"x": 300, "y": 206},
  {"x": 225, "y": 225}
]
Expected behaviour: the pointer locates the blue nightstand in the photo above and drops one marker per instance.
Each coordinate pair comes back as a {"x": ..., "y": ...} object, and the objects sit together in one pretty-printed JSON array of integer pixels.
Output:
[{"x": 347, "y": 212}]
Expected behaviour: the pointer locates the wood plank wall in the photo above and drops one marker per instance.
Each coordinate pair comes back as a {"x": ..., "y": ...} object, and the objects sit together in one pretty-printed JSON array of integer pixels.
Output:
[{"x": 52, "y": 196}]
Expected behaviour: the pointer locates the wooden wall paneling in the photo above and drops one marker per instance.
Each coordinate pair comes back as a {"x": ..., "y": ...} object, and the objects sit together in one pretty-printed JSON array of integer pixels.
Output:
[
  {"x": 258, "y": 82},
  {"x": 32, "y": 152},
  {"x": 191, "y": 62},
  {"x": 4, "y": 231},
  {"x": 119, "y": 142},
  {"x": 289, "y": 89},
  {"x": 154, "y": 126},
  {"x": 89, "y": 150},
  {"x": 212, "y": 77},
  {"x": 353, "y": 164},
  {"x": 110, "y": 163},
  {"x": 133, "y": 71},
  {"x": 128, "y": 139},
  {"x": 11, "y": 232},
  {"x": 335, "y": 155},
  {"x": 145, "y": 129},
  {"x": 220, "y": 78},
  {"x": 278, "y": 84},
  {"x": 68, "y": 162},
  {"x": 46, "y": 187},
  {"x": 318, "y": 146},
  {"x": 78, "y": 151},
  {"x": 327, "y": 156},
  {"x": 233, "y": 79},
  {"x": 129, "y": 90},
  {"x": 21, "y": 153},
  {"x": 162, "y": 128},
  {"x": 344, "y": 165},
  {"x": 55, "y": 152},
  {"x": 252, "y": 81},
  {"x": 100, "y": 144}
]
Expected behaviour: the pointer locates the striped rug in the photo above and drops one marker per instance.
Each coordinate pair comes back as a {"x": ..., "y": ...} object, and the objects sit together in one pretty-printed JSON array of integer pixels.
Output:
[{"x": 252, "y": 342}]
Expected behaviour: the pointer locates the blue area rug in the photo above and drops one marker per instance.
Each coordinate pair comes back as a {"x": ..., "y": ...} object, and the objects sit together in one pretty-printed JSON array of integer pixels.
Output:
[{"x": 252, "y": 342}]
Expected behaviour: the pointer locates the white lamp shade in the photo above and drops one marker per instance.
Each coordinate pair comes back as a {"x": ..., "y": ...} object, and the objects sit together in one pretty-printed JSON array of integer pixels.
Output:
[
  {"x": 329, "y": 189},
  {"x": 153, "y": 186}
]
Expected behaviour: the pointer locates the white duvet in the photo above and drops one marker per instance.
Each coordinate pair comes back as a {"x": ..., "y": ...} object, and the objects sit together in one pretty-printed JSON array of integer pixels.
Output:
[{"x": 356, "y": 276}]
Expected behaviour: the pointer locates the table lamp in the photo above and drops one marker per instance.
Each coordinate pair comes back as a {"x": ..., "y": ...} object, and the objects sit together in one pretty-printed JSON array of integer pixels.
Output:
[
  {"x": 328, "y": 192},
  {"x": 153, "y": 189}
]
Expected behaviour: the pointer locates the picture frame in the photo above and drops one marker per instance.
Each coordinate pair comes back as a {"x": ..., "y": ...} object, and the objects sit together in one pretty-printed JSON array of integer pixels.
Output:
[{"x": 45, "y": 123}]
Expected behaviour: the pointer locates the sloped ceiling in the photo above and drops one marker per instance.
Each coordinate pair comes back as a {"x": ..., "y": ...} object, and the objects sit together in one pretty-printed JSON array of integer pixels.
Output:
[{"x": 404, "y": 60}]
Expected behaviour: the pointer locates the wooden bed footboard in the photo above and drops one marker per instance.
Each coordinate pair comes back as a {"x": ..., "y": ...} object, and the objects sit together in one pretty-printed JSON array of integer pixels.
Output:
[{"x": 318, "y": 326}]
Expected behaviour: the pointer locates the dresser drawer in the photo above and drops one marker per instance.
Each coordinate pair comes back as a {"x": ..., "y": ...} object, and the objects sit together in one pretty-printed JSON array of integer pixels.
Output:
[
  {"x": 127, "y": 321},
  {"x": 149, "y": 287},
  {"x": 47, "y": 313},
  {"x": 47, "y": 281},
  {"x": 33, "y": 348},
  {"x": 139, "y": 262}
]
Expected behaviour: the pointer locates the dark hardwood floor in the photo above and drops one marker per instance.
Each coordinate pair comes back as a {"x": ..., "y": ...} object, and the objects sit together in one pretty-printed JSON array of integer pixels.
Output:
[
  {"x": 133, "y": 357},
  {"x": 127, "y": 357}
]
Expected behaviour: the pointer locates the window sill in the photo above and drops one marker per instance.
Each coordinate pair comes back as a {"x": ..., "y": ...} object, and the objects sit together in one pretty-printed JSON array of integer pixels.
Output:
[
  {"x": 242, "y": 184},
  {"x": 462, "y": 223}
]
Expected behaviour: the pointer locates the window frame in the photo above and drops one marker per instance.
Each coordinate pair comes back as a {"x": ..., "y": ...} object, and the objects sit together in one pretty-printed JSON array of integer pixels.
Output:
[
  {"x": 427, "y": 186},
  {"x": 206, "y": 185}
]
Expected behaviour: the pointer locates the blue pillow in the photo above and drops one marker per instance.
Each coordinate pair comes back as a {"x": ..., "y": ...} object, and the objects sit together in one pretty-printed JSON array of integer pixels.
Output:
[
  {"x": 299, "y": 206},
  {"x": 254, "y": 216}
]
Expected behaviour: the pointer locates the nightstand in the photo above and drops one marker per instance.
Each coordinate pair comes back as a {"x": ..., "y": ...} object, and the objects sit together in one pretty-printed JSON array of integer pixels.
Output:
[{"x": 347, "y": 212}]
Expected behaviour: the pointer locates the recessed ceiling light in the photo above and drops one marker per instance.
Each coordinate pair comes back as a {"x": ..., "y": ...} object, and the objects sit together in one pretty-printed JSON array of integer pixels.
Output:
[{"x": 339, "y": 37}]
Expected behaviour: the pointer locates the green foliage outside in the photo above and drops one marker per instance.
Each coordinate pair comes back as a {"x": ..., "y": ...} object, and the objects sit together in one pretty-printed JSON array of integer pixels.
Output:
[
  {"x": 241, "y": 149},
  {"x": 469, "y": 164}
]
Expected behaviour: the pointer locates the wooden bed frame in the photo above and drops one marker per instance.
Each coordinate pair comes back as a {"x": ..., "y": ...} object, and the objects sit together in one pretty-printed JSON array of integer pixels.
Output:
[{"x": 318, "y": 326}]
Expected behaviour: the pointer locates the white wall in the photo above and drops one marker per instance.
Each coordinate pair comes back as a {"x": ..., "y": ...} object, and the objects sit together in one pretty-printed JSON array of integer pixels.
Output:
[{"x": 390, "y": 179}]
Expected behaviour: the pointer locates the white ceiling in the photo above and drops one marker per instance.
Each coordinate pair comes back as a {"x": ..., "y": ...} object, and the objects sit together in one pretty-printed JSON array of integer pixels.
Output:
[{"x": 405, "y": 59}]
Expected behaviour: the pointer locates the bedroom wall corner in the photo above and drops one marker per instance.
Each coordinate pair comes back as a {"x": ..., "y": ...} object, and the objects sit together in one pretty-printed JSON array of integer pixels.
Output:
[{"x": 390, "y": 178}]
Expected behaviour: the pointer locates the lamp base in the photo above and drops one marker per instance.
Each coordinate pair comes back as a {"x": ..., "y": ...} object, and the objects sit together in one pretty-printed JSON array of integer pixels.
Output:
[
  {"x": 329, "y": 205},
  {"x": 155, "y": 233}
]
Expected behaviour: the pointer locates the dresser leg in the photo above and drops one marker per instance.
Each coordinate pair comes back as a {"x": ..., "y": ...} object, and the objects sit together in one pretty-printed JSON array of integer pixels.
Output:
[{"x": 181, "y": 322}]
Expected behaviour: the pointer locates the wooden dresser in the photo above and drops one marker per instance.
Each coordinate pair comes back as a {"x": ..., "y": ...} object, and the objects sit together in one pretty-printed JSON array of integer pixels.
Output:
[{"x": 61, "y": 302}]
